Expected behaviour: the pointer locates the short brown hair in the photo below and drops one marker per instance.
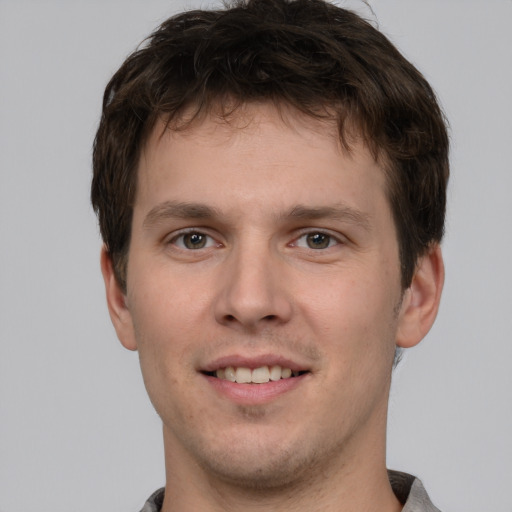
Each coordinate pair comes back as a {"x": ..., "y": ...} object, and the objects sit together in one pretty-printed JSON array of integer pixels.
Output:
[{"x": 321, "y": 60}]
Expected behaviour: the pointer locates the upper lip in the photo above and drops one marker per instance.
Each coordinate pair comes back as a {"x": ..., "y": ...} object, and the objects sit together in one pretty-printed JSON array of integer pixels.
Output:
[{"x": 252, "y": 362}]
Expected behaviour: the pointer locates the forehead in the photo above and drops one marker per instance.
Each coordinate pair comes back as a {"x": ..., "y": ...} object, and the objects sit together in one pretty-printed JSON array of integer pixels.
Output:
[{"x": 258, "y": 150}]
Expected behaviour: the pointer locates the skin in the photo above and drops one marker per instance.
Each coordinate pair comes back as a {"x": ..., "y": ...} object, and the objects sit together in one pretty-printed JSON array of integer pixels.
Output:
[{"x": 261, "y": 290}]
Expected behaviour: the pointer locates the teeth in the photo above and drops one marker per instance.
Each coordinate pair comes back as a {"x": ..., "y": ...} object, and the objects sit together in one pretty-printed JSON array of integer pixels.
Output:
[
  {"x": 260, "y": 375},
  {"x": 275, "y": 373},
  {"x": 229, "y": 374},
  {"x": 243, "y": 375},
  {"x": 286, "y": 373}
]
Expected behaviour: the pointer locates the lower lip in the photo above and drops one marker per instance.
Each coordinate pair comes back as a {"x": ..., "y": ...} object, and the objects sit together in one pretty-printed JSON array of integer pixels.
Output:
[{"x": 254, "y": 394}]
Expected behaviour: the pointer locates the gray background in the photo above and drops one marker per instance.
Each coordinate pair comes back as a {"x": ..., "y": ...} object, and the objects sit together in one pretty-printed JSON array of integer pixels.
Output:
[{"x": 77, "y": 432}]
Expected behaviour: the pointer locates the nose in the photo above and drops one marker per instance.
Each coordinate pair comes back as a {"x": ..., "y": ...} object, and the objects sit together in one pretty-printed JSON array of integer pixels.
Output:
[{"x": 253, "y": 290}]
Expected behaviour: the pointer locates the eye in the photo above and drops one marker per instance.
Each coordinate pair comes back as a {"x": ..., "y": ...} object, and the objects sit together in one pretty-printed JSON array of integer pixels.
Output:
[
  {"x": 193, "y": 240},
  {"x": 316, "y": 240}
]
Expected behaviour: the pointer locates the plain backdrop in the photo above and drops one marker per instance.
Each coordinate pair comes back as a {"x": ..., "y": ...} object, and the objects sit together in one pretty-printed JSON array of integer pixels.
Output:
[{"x": 77, "y": 432}]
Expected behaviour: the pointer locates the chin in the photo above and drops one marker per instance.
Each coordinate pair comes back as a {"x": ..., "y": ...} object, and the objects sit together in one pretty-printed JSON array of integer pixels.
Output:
[
  {"x": 274, "y": 473},
  {"x": 263, "y": 464}
]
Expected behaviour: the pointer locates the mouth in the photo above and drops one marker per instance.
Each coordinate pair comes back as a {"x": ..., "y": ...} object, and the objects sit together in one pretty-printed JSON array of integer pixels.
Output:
[{"x": 260, "y": 375}]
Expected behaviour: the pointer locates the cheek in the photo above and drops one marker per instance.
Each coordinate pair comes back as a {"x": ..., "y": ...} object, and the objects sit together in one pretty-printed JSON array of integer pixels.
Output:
[
  {"x": 165, "y": 334},
  {"x": 167, "y": 304},
  {"x": 354, "y": 323},
  {"x": 163, "y": 344},
  {"x": 338, "y": 303}
]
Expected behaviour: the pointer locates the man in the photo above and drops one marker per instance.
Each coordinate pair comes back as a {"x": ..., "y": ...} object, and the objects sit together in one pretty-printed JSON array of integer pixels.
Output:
[{"x": 270, "y": 181}]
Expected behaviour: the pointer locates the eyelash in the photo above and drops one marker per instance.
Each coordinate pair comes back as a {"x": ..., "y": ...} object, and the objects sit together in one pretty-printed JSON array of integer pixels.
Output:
[
  {"x": 209, "y": 241},
  {"x": 332, "y": 240}
]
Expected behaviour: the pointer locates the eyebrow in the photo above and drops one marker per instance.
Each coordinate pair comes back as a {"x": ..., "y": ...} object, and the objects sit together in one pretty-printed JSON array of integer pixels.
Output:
[
  {"x": 184, "y": 210},
  {"x": 337, "y": 212},
  {"x": 178, "y": 210}
]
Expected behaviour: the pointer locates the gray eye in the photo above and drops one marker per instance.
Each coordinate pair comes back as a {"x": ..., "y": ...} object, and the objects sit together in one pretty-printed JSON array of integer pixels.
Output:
[
  {"x": 318, "y": 240},
  {"x": 194, "y": 240}
]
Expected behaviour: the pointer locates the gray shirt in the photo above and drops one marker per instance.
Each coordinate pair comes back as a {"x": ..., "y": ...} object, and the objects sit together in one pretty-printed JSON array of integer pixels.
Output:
[{"x": 407, "y": 488}]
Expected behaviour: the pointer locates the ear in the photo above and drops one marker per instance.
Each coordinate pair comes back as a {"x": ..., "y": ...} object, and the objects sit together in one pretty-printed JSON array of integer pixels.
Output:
[
  {"x": 420, "y": 302},
  {"x": 116, "y": 301}
]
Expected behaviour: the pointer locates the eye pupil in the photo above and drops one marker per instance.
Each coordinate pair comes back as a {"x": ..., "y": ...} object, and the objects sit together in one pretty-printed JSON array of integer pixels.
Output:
[
  {"x": 318, "y": 240},
  {"x": 194, "y": 240}
]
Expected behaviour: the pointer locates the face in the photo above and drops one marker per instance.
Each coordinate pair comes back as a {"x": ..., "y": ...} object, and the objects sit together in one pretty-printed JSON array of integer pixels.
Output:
[{"x": 263, "y": 295}]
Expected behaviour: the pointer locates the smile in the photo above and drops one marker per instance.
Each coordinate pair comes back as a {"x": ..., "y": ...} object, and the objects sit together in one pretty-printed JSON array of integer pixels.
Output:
[{"x": 261, "y": 375}]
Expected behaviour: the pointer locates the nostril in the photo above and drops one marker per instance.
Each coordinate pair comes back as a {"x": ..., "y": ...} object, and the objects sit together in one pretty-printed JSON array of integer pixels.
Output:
[{"x": 232, "y": 318}]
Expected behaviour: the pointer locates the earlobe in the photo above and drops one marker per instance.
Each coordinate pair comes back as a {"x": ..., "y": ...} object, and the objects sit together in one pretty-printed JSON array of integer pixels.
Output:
[
  {"x": 116, "y": 301},
  {"x": 421, "y": 300}
]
